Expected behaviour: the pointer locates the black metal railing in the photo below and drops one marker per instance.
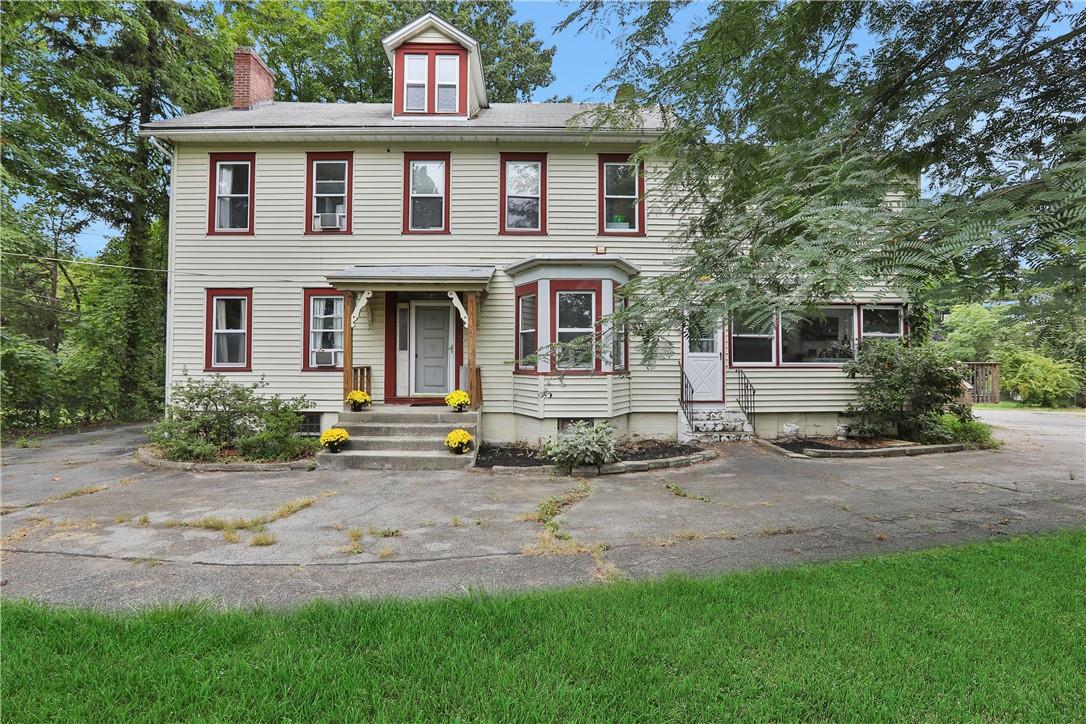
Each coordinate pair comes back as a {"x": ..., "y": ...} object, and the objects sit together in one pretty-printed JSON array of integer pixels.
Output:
[
  {"x": 744, "y": 395},
  {"x": 686, "y": 398}
]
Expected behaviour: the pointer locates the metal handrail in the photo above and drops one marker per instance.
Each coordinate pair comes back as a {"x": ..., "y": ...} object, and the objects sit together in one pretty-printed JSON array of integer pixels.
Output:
[
  {"x": 745, "y": 396},
  {"x": 686, "y": 395}
]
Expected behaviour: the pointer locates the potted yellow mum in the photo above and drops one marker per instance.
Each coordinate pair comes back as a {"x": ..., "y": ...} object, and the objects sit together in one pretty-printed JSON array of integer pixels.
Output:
[
  {"x": 358, "y": 400},
  {"x": 459, "y": 441},
  {"x": 458, "y": 400},
  {"x": 334, "y": 438}
]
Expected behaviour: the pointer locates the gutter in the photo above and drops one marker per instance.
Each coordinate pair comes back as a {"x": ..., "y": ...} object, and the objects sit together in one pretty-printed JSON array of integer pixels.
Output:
[{"x": 409, "y": 133}]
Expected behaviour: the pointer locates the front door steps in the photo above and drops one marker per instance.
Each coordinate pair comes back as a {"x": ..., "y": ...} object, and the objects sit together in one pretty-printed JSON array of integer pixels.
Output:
[
  {"x": 715, "y": 424},
  {"x": 399, "y": 437}
]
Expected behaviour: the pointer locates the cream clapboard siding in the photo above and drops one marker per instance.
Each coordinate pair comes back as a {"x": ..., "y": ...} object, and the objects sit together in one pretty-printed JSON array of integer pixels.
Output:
[{"x": 278, "y": 261}]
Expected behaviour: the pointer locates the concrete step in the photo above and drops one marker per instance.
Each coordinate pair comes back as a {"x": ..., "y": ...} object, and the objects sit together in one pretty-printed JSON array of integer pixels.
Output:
[
  {"x": 424, "y": 415},
  {"x": 396, "y": 442},
  {"x": 398, "y": 460},
  {"x": 405, "y": 429}
]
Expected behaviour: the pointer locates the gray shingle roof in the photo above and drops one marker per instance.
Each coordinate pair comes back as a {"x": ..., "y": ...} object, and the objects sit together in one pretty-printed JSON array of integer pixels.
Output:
[{"x": 359, "y": 116}]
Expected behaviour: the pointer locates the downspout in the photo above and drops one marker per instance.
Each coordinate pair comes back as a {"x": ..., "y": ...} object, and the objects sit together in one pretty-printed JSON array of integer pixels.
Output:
[{"x": 171, "y": 157}]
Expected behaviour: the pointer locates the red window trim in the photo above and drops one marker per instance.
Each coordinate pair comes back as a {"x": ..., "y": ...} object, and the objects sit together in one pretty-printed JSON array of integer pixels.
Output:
[
  {"x": 217, "y": 158},
  {"x": 605, "y": 158},
  {"x": 542, "y": 159},
  {"x": 310, "y": 157},
  {"x": 410, "y": 156},
  {"x": 431, "y": 50},
  {"x": 778, "y": 338},
  {"x": 307, "y": 321},
  {"x": 209, "y": 320},
  {"x": 575, "y": 285},
  {"x": 524, "y": 290}
]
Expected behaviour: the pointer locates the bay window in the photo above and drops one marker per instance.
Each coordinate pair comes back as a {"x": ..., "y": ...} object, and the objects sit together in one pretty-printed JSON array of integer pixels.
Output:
[
  {"x": 323, "y": 329},
  {"x": 575, "y": 315},
  {"x": 328, "y": 200},
  {"x": 414, "y": 77},
  {"x": 229, "y": 329},
  {"x": 523, "y": 193},
  {"x": 753, "y": 345},
  {"x": 448, "y": 83},
  {"x": 621, "y": 187},
  {"x": 527, "y": 344},
  {"x": 426, "y": 181},
  {"x": 231, "y": 195},
  {"x": 828, "y": 338},
  {"x": 882, "y": 322}
]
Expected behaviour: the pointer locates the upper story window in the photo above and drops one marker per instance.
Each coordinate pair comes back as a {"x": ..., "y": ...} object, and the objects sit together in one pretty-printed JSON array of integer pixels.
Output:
[
  {"x": 882, "y": 322},
  {"x": 233, "y": 176},
  {"x": 328, "y": 196},
  {"x": 323, "y": 330},
  {"x": 229, "y": 329},
  {"x": 448, "y": 83},
  {"x": 523, "y": 193},
  {"x": 575, "y": 314},
  {"x": 621, "y": 193},
  {"x": 414, "y": 78},
  {"x": 426, "y": 193},
  {"x": 430, "y": 79}
]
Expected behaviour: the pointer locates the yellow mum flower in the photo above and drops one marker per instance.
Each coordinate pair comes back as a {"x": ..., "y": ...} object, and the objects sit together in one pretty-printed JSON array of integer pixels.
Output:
[
  {"x": 457, "y": 398},
  {"x": 458, "y": 438},
  {"x": 334, "y": 437},
  {"x": 359, "y": 397}
]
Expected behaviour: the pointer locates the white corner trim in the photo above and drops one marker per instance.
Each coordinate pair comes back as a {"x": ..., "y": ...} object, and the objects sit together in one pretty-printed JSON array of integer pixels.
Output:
[
  {"x": 363, "y": 303},
  {"x": 459, "y": 308}
]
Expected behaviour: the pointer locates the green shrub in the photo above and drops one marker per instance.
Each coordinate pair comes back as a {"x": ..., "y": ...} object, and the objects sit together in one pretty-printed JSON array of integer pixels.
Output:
[
  {"x": 583, "y": 443},
  {"x": 209, "y": 415},
  {"x": 899, "y": 386},
  {"x": 948, "y": 427},
  {"x": 1039, "y": 380}
]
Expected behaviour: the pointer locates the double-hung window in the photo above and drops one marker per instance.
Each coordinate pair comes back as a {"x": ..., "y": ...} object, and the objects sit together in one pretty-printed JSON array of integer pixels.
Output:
[
  {"x": 753, "y": 345},
  {"x": 621, "y": 189},
  {"x": 232, "y": 177},
  {"x": 576, "y": 312},
  {"x": 526, "y": 336},
  {"x": 427, "y": 187},
  {"x": 414, "y": 77},
  {"x": 324, "y": 327},
  {"x": 828, "y": 338},
  {"x": 229, "y": 329},
  {"x": 448, "y": 83},
  {"x": 524, "y": 193},
  {"x": 886, "y": 322},
  {"x": 328, "y": 206}
]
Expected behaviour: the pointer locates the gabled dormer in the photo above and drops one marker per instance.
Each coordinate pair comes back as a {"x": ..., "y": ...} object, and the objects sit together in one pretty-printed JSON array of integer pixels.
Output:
[{"x": 437, "y": 71}]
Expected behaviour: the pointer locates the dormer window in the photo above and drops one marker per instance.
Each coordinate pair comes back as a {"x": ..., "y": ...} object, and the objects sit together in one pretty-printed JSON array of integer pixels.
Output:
[
  {"x": 448, "y": 83},
  {"x": 414, "y": 76}
]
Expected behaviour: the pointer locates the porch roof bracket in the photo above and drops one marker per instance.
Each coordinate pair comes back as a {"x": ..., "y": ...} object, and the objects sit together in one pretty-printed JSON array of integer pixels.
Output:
[
  {"x": 363, "y": 303},
  {"x": 459, "y": 308}
]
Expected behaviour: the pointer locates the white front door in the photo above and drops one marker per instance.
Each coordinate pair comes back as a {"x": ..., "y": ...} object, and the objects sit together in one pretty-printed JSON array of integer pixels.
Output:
[
  {"x": 432, "y": 348},
  {"x": 704, "y": 363}
]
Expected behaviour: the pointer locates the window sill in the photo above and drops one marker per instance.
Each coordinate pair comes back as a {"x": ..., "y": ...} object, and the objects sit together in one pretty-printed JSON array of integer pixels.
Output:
[
  {"x": 323, "y": 369},
  {"x": 230, "y": 232},
  {"x": 423, "y": 232},
  {"x": 514, "y": 232},
  {"x": 612, "y": 232},
  {"x": 246, "y": 368},
  {"x": 328, "y": 232}
]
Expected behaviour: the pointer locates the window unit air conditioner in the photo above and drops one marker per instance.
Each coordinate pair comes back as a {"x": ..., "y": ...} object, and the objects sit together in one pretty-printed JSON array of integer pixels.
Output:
[
  {"x": 329, "y": 221},
  {"x": 324, "y": 359}
]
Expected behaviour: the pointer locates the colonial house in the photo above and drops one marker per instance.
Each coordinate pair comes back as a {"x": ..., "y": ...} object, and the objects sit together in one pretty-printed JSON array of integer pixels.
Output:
[{"x": 437, "y": 242}]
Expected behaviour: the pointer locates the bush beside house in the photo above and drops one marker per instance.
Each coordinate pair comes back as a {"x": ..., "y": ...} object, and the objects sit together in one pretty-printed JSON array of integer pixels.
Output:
[{"x": 212, "y": 418}]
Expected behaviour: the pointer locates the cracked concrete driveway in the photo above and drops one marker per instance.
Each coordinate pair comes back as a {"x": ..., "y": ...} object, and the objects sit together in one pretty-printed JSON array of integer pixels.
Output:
[{"x": 84, "y": 523}]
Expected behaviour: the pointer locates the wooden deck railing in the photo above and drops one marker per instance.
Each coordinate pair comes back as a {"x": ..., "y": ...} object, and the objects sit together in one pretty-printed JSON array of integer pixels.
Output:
[
  {"x": 362, "y": 379},
  {"x": 984, "y": 376}
]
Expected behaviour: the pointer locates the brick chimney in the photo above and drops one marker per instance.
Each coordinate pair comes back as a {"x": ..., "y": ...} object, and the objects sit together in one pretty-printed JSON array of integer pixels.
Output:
[{"x": 254, "y": 81}]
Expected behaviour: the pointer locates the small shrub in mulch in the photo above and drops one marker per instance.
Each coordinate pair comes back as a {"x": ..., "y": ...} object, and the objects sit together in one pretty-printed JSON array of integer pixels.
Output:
[{"x": 522, "y": 455}]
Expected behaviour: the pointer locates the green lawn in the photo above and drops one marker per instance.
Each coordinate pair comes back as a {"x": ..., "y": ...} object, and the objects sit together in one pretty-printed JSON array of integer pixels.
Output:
[
  {"x": 994, "y": 632},
  {"x": 1008, "y": 405}
]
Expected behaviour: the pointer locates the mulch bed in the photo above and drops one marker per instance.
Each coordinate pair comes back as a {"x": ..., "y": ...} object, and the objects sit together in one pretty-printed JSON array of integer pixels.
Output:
[
  {"x": 829, "y": 443},
  {"x": 524, "y": 456}
]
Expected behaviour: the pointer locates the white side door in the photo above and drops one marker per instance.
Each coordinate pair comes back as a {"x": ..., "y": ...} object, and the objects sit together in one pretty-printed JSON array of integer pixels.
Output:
[{"x": 704, "y": 363}]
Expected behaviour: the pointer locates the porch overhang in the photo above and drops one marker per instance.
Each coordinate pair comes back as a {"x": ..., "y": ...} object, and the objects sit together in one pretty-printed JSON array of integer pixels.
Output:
[{"x": 413, "y": 277}]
